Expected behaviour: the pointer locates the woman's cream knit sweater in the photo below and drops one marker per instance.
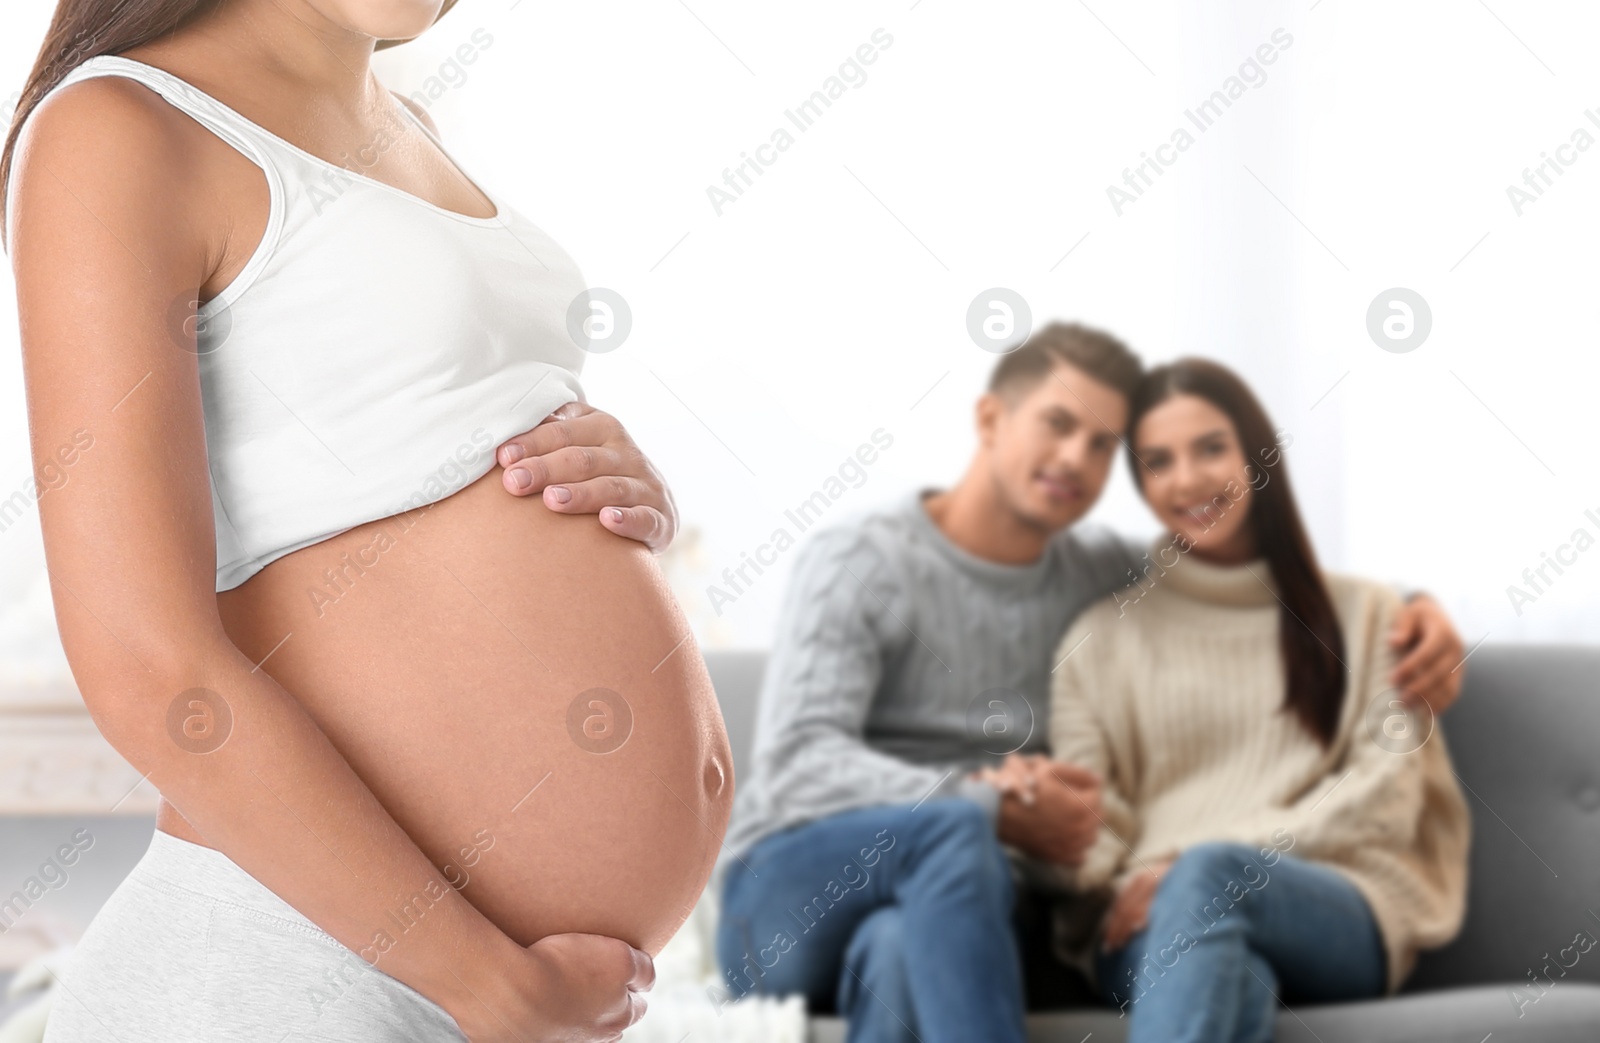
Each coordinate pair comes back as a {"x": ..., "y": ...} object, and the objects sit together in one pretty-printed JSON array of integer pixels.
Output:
[{"x": 1173, "y": 691}]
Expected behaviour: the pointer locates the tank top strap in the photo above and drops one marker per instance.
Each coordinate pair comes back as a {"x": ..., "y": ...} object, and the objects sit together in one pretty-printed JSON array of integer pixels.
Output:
[
  {"x": 248, "y": 139},
  {"x": 204, "y": 109}
]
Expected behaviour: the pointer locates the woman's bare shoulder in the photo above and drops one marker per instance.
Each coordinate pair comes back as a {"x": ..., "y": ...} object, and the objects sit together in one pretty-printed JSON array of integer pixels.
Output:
[
  {"x": 107, "y": 151},
  {"x": 104, "y": 116}
]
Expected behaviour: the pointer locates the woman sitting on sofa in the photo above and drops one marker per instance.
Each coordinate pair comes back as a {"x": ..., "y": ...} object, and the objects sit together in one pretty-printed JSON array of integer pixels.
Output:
[{"x": 1277, "y": 823}]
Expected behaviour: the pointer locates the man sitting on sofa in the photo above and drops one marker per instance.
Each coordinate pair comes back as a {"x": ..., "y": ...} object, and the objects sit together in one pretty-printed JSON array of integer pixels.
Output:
[{"x": 866, "y": 865}]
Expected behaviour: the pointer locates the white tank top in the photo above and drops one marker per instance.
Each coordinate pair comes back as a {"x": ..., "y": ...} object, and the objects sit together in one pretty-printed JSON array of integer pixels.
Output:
[{"x": 374, "y": 351}]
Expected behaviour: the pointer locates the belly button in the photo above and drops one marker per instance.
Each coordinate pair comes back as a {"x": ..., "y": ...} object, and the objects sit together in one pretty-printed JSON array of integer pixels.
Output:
[{"x": 714, "y": 777}]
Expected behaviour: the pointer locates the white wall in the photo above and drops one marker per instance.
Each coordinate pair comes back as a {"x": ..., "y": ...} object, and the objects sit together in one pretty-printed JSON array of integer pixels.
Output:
[{"x": 772, "y": 338}]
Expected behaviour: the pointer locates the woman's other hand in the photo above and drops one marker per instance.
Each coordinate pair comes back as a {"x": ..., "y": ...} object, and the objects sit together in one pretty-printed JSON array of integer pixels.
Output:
[
  {"x": 1430, "y": 670},
  {"x": 564, "y": 988},
  {"x": 584, "y": 454},
  {"x": 1130, "y": 910}
]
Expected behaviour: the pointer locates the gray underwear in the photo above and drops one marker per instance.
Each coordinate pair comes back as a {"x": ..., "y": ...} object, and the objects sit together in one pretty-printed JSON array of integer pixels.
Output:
[{"x": 192, "y": 949}]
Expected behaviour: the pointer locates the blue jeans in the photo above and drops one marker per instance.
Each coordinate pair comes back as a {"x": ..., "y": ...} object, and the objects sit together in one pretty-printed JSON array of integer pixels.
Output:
[
  {"x": 897, "y": 916},
  {"x": 1230, "y": 932}
]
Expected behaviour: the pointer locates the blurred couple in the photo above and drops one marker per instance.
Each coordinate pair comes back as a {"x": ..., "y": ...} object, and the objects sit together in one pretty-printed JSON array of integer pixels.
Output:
[{"x": 1192, "y": 778}]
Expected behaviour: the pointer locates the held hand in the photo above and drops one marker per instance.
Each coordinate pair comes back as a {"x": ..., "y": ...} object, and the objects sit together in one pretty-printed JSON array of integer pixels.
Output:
[
  {"x": 1015, "y": 775},
  {"x": 1019, "y": 773},
  {"x": 585, "y": 454},
  {"x": 1130, "y": 910},
  {"x": 1431, "y": 670},
  {"x": 1063, "y": 818},
  {"x": 564, "y": 988}
]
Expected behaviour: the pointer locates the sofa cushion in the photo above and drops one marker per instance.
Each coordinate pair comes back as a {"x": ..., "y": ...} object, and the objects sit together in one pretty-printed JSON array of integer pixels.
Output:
[{"x": 1525, "y": 738}]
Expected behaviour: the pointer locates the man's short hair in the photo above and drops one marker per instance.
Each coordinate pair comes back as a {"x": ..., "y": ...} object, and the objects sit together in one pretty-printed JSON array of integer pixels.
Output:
[{"x": 1095, "y": 352}]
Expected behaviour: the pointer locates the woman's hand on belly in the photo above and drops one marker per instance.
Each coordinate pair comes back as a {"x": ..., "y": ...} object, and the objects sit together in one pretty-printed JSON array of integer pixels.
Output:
[
  {"x": 584, "y": 454},
  {"x": 564, "y": 988}
]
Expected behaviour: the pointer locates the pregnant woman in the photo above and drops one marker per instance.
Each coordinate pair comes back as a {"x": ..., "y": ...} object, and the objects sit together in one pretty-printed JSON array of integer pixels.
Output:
[
  {"x": 436, "y": 761},
  {"x": 1277, "y": 822}
]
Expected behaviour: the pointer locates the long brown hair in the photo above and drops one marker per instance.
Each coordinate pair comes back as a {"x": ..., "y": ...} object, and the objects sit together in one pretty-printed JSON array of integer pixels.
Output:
[
  {"x": 1308, "y": 629},
  {"x": 84, "y": 29}
]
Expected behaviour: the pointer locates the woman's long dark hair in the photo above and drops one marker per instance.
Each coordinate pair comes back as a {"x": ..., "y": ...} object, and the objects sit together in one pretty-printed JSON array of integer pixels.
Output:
[
  {"x": 1308, "y": 630},
  {"x": 84, "y": 29}
]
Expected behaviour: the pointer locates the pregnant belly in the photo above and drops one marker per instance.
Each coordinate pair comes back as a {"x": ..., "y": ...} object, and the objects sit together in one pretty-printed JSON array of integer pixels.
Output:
[{"x": 521, "y": 691}]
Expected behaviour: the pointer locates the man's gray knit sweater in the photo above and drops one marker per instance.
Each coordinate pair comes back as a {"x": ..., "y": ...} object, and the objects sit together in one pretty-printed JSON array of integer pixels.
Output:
[{"x": 902, "y": 661}]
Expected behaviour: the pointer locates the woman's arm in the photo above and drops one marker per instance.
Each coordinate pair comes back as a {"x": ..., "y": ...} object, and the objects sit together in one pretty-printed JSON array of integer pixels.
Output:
[
  {"x": 109, "y": 240},
  {"x": 1373, "y": 794},
  {"x": 1080, "y": 733}
]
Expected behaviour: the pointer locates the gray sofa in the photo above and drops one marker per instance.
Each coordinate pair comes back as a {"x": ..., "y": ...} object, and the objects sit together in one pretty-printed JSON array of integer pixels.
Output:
[{"x": 1525, "y": 737}]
